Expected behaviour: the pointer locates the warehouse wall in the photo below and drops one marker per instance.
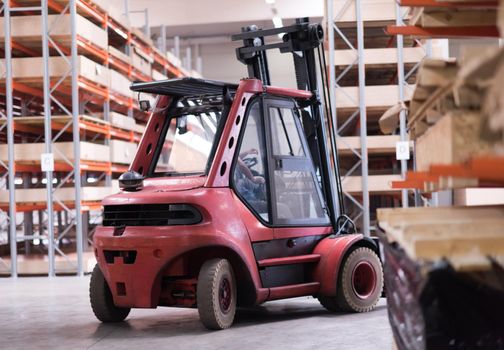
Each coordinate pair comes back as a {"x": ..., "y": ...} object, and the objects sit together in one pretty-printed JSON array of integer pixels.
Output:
[
  {"x": 176, "y": 12},
  {"x": 220, "y": 63}
]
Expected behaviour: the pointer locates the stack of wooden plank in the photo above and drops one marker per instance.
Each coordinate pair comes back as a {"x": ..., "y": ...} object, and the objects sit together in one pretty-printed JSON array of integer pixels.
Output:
[
  {"x": 457, "y": 110},
  {"x": 436, "y": 17},
  {"x": 29, "y": 70},
  {"x": 469, "y": 238},
  {"x": 30, "y": 153},
  {"x": 64, "y": 194},
  {"x": 28, "y": 29},
  {"x": 444, "y": 276}
]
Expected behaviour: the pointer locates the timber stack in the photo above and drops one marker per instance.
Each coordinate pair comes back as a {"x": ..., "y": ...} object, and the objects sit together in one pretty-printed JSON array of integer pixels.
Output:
[{"x": 444, "y": 265}]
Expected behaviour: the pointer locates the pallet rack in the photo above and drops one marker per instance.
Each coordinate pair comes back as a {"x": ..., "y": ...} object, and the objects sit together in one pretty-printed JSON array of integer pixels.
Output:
[
  {"x": 458, "y": 24},
  {"x": 463, "y": 241},
  {"x": 479, "y": 170},
  {"x": 63, "y": 109},
  {"x": 368, "y": 75}
]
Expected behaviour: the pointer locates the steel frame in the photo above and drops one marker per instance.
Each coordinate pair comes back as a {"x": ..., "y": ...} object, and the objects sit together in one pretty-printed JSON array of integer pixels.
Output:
[
  {"x": 10, "y": 140},
  {"x": 402, "y": 114},
  {"x": 332, "y": 25},
  {"x": 402, "y": 77},
  {"x": 50, "y": 99},
  {"x": 69, "y": 214}
]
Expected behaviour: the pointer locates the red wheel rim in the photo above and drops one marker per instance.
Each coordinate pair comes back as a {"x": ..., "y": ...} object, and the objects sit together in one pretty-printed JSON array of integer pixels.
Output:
[
  {"x": 363, "y": 279},
  {"x": 225, "y": 295}
]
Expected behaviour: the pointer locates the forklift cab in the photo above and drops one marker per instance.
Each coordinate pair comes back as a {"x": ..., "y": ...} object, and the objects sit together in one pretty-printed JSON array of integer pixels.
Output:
[
  {"x": 228, "y": 202},
  {"x": 273, "y": 174}
]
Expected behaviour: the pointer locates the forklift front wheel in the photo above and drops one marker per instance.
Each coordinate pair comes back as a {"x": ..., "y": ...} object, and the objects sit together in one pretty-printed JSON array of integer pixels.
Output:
[
  {"x": 360, "y": 283},
  {"x": 102, "y": 301},
  {"x": 216, "y": 294}
]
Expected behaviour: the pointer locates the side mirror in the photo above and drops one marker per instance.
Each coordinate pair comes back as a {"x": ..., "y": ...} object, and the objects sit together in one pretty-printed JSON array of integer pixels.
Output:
[
  {"x": 145, "y": 105},
  {"x": 131, "y": 181}
]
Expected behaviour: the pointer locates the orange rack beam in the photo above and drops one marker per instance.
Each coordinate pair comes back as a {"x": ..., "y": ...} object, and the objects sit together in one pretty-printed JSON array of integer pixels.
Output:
[
  {"x": 484, "y": 168},
  {"x": 87, "y": 7},
  {"x": 120, "y": 65},
  {"x": 17, "y": 46},
  {"x": 93, "y": 11},
  {"x": 127, "y": 135},
  {"x": 92, "y": 48},
  {"x": 444, "y": 32}
]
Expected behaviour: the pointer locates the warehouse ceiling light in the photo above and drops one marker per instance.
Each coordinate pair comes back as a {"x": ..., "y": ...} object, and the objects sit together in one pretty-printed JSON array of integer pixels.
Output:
[
  {"x": 269, "y": 2},
  {"x": 277, "y": 22}
]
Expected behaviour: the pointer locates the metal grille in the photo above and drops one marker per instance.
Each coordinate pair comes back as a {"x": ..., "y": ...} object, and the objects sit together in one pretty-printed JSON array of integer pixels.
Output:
[{"x": 150, "y": 215}]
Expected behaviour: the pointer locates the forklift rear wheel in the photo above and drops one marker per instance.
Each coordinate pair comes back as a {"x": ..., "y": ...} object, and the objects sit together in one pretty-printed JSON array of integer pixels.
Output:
[
  {"x": 360, "y": 283},
  {"x": 102, "y": 301},
  {"x": 216, "y": 294}
]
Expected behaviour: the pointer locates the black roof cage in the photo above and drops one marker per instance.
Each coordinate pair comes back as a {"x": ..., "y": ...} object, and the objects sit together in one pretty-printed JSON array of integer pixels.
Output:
[{"x": 184, "y": 87}]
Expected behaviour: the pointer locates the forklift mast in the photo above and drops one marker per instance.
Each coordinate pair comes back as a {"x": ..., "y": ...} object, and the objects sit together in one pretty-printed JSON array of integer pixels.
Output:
[{"x": 303, "y": 40}]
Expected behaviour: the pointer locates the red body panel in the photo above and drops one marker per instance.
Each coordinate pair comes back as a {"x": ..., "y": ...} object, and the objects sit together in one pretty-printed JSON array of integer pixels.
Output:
[
  {"x": 218, "y": 228},
  {"x": 227, "y": 223},
  {"x": 218, "y": 175},
  {"x": 256, "y": 230},
  {"x": 143, "y": 158}
]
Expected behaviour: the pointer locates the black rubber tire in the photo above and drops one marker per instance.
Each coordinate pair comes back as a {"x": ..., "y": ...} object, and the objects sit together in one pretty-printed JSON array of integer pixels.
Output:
[
  {"x": 347, "y": 297},
  {"x": 329, "y": 303},
  {"x": 212, "y": 276},
  {"x": 101, "y": 299}
]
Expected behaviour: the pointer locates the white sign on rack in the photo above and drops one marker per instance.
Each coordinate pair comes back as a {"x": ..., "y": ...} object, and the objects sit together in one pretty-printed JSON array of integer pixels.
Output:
[
  {"x": 402, "y": 150},
  {"x": 47, "y": 161}
]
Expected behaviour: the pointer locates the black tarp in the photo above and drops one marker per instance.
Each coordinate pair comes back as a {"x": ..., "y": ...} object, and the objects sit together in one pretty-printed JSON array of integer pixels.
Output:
[{"x": 432, "y": 306}]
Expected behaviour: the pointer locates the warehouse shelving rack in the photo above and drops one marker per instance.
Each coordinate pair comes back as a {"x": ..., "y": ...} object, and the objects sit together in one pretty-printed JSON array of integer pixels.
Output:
[
  {"x": 338, "y": 32},
  {"x": 447, "y": 31},
  {"x": 462, "y": 240},
  {"x": 487, "y": 170},
  {"x": 62, "y": 103}
]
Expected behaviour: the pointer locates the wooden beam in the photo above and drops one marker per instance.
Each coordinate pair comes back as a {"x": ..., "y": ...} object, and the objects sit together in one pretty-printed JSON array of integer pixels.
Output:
[
  {"x": 377, "y": 96},
  {"x": 402, "y": 216},
  {"x": 372, "y": 10},
  {"x": 479, "y": 196},
  {"x": 378, "y": 57},
  {"x": 377, "y": 184},
  {"x": 376, "y": 144},
  {"x": 465, "y": 236},
  {"x": 437, "y": 19},
  {"x": 37, "y": 264}
]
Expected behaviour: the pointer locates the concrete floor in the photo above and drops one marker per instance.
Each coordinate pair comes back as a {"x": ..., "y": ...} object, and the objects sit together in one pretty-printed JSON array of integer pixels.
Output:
[{"x": 43, "y": 313}]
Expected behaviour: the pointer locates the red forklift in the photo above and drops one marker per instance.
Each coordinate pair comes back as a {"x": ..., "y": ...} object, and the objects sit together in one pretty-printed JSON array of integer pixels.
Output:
[{"x": 234, "y": 197}]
